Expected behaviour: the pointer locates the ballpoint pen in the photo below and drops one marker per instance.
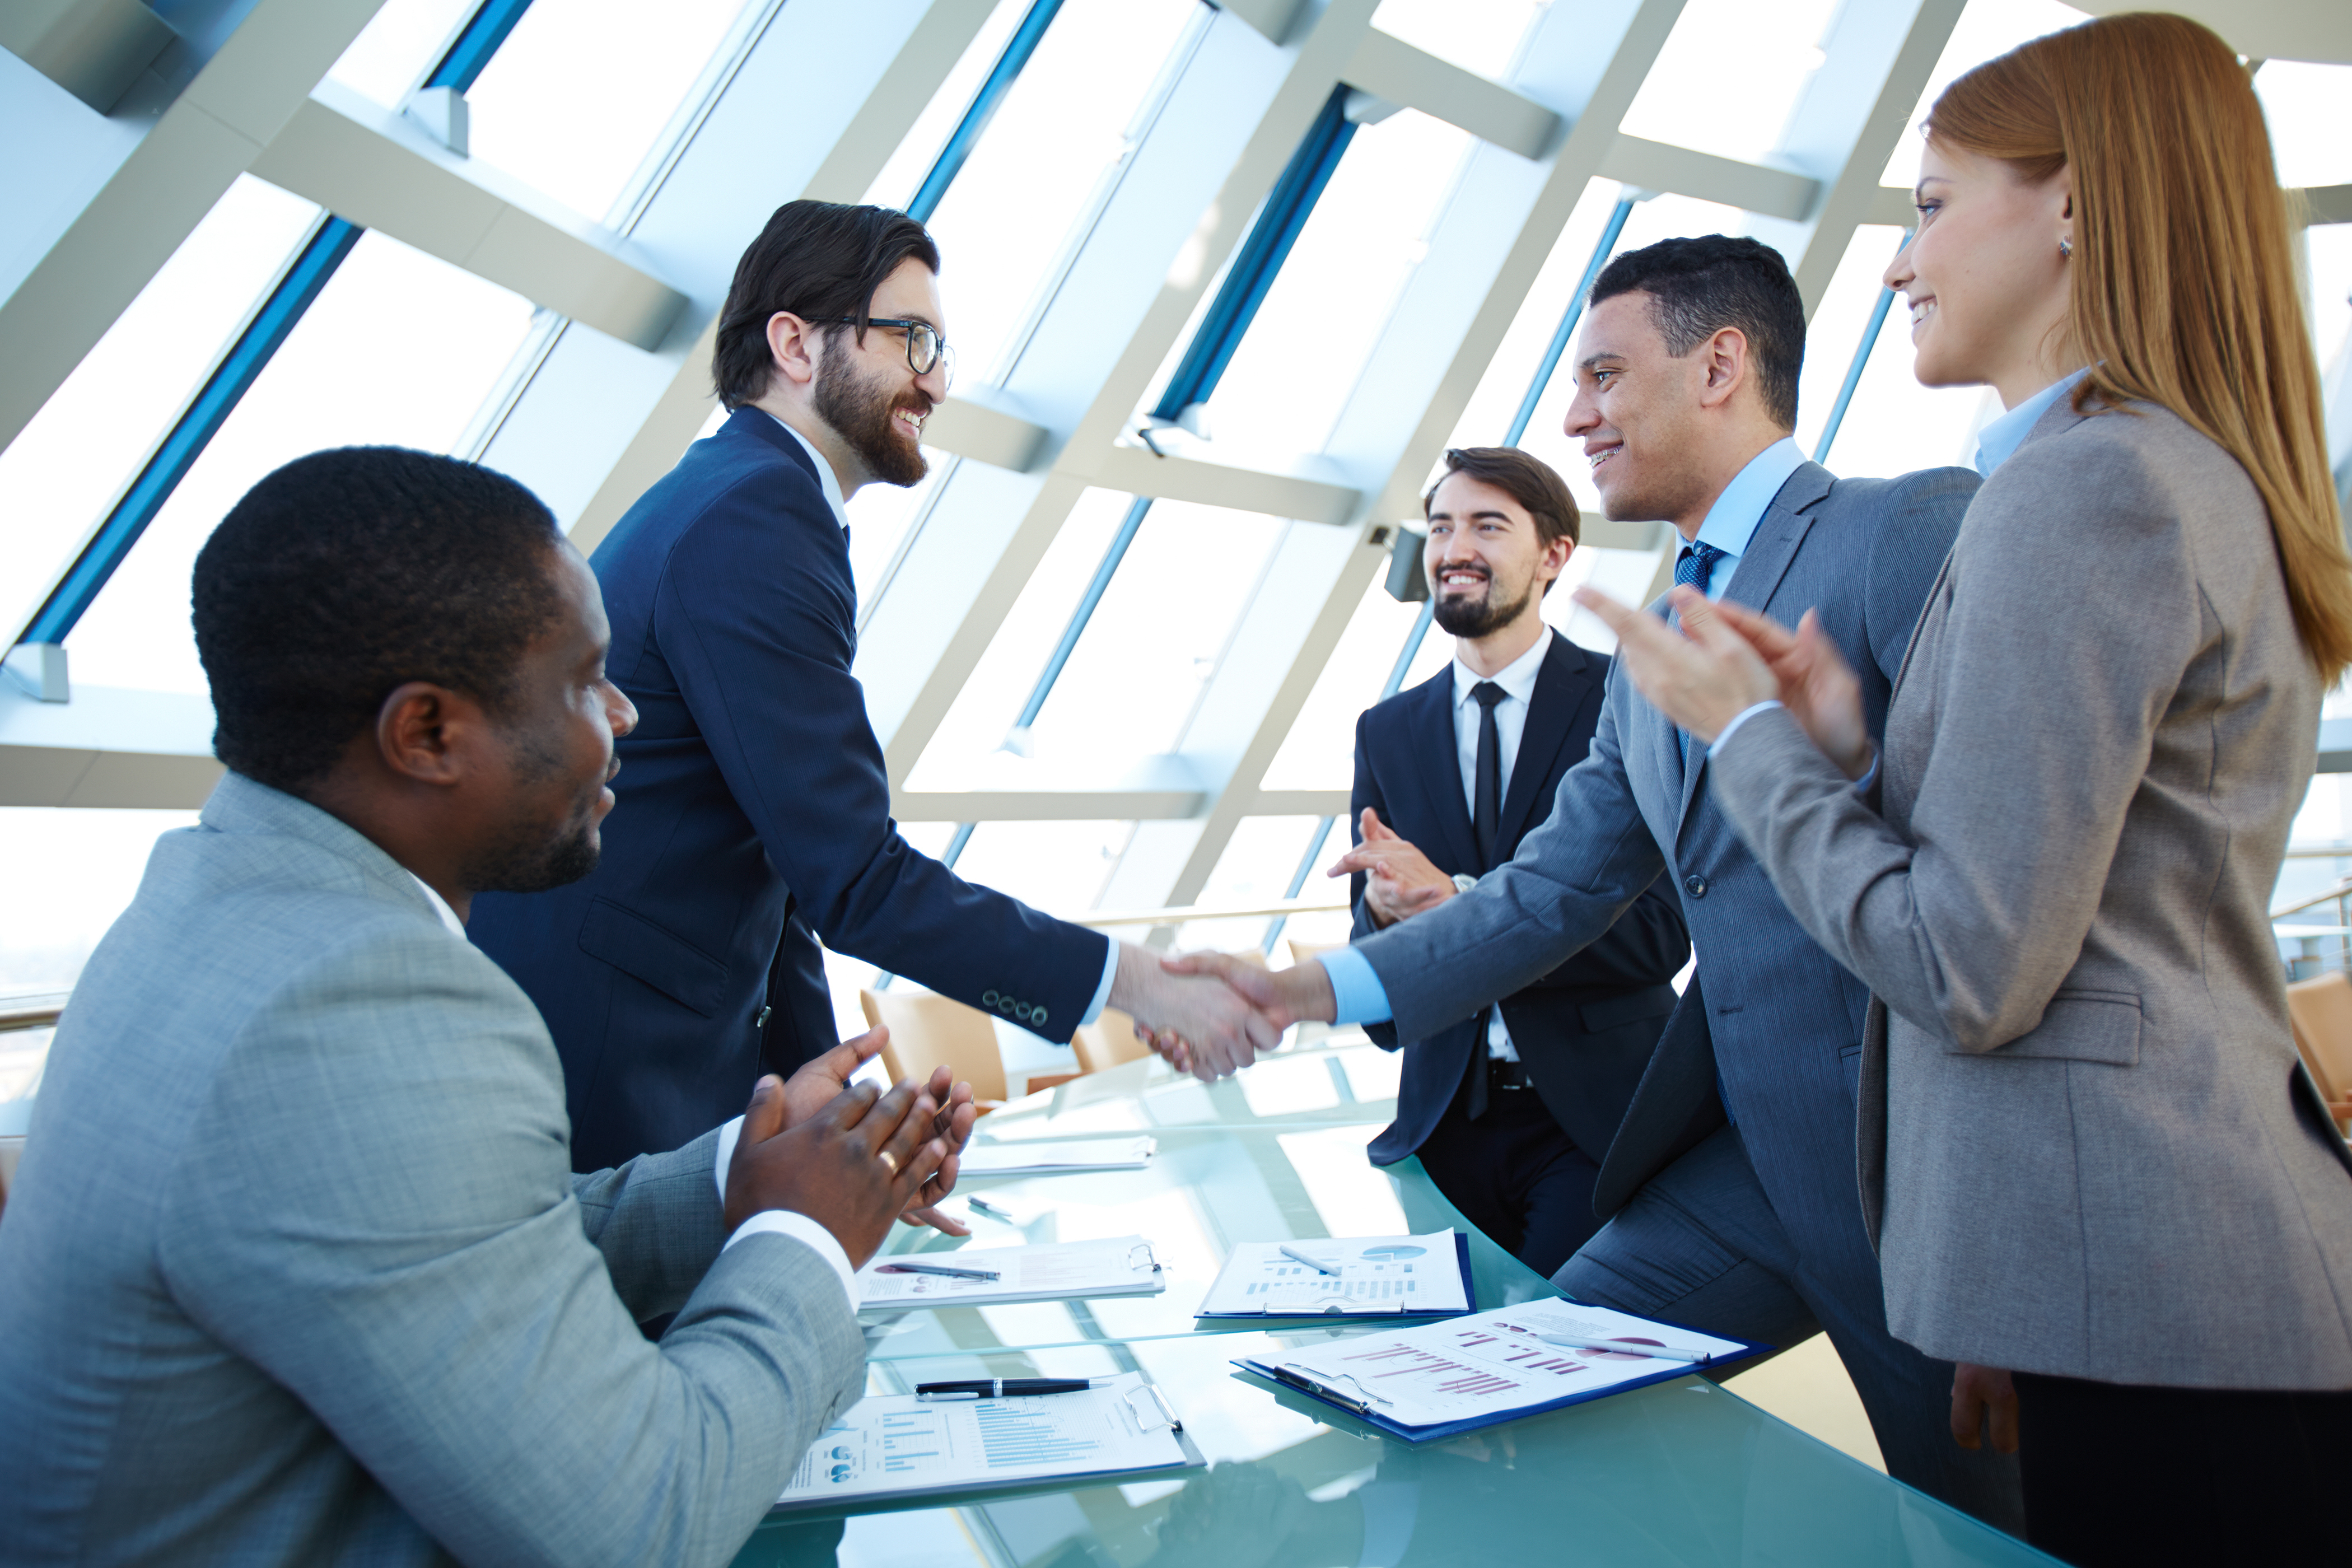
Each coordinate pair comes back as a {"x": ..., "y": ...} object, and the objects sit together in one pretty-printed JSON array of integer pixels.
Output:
[
  {"x": 941, "y": 1269},
  {"x": 993, "y": 1211},
  {"x": 1628, "y": 1347},
  {"x": 1298, "y": 1257},
  {"x": 1002, "y": 1387}
]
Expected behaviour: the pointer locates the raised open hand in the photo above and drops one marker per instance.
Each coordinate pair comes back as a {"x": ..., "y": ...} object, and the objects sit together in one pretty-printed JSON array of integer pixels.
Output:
[
  {"x": 1703, "y": 677},
  {"x": 1817, "y": 686},
  {"x": 1399, "y": 880}
]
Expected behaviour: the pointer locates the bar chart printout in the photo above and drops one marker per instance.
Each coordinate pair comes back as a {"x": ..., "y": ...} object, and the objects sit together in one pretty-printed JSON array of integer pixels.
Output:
[
  {"x": 895, "y": 1442},
  {"x": 1489, "y": 1365}
]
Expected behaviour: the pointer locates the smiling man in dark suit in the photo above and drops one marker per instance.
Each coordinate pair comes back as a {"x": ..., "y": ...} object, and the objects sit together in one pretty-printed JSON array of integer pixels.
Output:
[
  {"x": 1510, "y": 1110},
  {"x": 757, "y": 817}
]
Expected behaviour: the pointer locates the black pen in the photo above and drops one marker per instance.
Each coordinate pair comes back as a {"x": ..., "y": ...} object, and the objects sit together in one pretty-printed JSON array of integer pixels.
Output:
[
  {"x": 1002, "y": 1387},
  {"x": 944, "y": 1271}
]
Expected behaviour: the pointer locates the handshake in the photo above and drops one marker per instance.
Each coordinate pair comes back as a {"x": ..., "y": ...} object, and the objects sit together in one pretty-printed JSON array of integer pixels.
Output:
[{"x": 1210, "y": 1014}]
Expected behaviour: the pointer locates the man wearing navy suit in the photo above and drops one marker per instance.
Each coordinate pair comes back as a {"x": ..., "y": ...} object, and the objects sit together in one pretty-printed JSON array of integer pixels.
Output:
[
  {"x": 757, "y": 817},
  {"x": 1731, "y": 1185},
  {"x": 1510, "y": 1110}
]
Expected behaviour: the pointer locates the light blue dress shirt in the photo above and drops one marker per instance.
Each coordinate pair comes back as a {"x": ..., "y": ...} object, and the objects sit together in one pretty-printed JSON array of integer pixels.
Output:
[
  {"x": 1731, "y": 522},
  {"x": 1999, "y": 441}
]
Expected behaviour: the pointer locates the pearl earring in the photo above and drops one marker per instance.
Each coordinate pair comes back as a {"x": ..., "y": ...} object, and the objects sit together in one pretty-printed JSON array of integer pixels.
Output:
[{"x": 2066, "y": 248}]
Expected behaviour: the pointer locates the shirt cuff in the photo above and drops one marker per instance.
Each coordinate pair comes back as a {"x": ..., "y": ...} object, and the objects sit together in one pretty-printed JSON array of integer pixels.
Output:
[
  {"x": 782, "y": 1222},
  {"x": 1738, "y": 718},
  {"x": 1102, "y": 992},
  {"x": 800, "y": 1227},
  {"x": 1357, "y": 993},
  {"x": 1862, "y": 785}
]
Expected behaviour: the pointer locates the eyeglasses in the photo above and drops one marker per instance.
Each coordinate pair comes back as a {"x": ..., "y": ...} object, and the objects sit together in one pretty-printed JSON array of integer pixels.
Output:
[{"x": 925, "y": 347}]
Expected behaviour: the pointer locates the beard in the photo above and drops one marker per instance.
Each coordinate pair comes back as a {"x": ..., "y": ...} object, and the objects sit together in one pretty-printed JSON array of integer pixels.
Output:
[
  {"x": 860, "y": 413},
  {"x": 1465, "y": 616},
  {"x": 529, "y": 856}
]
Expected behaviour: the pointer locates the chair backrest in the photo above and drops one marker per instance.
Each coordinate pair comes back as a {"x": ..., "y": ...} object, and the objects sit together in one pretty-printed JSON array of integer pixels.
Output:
[
  {"x": 929, "y": 1031},
  {"x": 2321, "y": 1012},
  {"x": 1300, "y": 952},
  {"x": 1109, "y": 1040}
]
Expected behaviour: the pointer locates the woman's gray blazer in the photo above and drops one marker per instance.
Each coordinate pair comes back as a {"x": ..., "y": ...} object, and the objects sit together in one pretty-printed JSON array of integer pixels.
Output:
[{"x": 2086, "y": 1145}]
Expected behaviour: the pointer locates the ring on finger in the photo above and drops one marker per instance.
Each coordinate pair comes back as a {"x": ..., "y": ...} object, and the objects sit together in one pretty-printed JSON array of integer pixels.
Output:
[{"x": 888, "y": 1159}]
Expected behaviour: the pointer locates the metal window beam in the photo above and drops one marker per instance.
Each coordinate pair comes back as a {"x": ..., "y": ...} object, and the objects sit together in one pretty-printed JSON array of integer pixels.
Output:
[
  {"x": 145, "y": 201},
  {"x": 377, "y": 170},
  {"x": 984, "y": 104},
  {"x": 1387, "y": 67}
]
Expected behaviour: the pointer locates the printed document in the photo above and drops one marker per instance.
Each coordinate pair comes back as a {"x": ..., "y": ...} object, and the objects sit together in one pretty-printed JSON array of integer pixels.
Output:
[
  {"x": 1372, "y": 1275},
  {"x": 1053, "y": 1272},
  {"x": 897, "y": 1443}
]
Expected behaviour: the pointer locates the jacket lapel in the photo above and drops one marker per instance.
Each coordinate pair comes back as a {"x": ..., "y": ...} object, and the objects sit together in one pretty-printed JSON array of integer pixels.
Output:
[
  {"x": 1560, "y": 690},
  {"x": 1436, "y": 755},
  {"x": 1770, "y": 548}
]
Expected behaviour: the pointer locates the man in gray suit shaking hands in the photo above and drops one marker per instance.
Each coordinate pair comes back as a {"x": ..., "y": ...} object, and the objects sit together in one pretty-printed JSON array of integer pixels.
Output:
[
  {"x": 297, "y": 1269},
  {"x": 1731, "y": 1182}
]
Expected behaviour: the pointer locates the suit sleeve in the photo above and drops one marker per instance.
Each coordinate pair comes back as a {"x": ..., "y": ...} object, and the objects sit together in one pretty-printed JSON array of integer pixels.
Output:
[
  {"x": 376, "y": 1207},
  {"x": 659, "y": 1221},
  {"x": 1906, "y": 555},
  {"x": 1570, "y": 883},
  {"x": 759, "y": 637},
  {"x": 1967, "y": 927},
  {"x": 1365, "y": 793}
]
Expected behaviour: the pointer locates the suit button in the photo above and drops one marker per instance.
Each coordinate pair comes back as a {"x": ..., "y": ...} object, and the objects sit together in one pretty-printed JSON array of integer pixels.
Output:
[
  {"x": 1694, "y": 885},
  {"x": 988, "y": 998},
  {"x": 1038, "y": 1017}
]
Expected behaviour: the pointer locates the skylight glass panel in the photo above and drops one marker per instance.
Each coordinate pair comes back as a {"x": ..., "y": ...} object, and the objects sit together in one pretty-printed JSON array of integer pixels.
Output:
[
  {"x": 920, "y": 148},
  {"x": 1318, "y": 751},
  {"x": 1063, "y": 126},
  {"x": 395, "y": 51},
  {"x": 1730, "y": 75},
  {"x": 62, "y": 474},
  {"x": 1300, "y": 358},
  {"x": 399, "y": 349},
  {"x": 2304, "y": 105},
  {"x": 1987, "y": 28},
  {"x": 1132, "y": 683},
  {"x": 1058, "y": 867},
  {"x": 74, "y": 870},
  {"x": 1480, "y": 35},
  {"x": 580, "y": 92}
]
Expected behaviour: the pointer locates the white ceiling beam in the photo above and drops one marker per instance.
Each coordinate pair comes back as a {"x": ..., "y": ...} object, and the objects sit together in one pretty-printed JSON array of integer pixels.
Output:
[
  {"x": 978, "y": 425},
  {"x": 1310, "y": 497},
  {"x": 150, "y": 200},
  {"x": 107, "y": 748},
  {"x": 2326, "y": 203},
  {"x": 1681, "y": 171},
  {"x": 1387, "y": 67},
  {"x": 382, "y": 171}
]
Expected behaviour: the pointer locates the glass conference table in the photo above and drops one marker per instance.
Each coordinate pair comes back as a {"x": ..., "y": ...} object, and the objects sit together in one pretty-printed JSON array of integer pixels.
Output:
[{"x": 1678, "y": 1473}]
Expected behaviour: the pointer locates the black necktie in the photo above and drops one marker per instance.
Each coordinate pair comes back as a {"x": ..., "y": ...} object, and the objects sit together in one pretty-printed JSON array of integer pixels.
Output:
[{"x": 1486, "y": 783}]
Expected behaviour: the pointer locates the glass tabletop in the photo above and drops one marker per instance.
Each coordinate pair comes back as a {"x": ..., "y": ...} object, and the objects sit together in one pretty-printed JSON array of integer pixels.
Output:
[
  {"x": 1678, "y": 1473},
  {"x": 1205, "y": 1190}
]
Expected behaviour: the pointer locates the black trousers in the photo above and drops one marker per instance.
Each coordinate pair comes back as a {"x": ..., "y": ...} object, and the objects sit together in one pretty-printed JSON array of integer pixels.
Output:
[
  {"x": 1515, "y": 1174},
  {"x": 2117, "y": 1473}
]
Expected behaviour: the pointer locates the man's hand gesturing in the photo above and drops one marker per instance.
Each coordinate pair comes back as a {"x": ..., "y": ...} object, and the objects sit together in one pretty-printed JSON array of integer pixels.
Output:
[
  {"x": 1399, "y": 880},
  {"x": 853, "y": 1167},
  {"x": 819, "y": 1082}
]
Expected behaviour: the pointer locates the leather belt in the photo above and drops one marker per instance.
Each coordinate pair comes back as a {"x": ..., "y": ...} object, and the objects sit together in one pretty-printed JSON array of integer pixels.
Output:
[{"x": 1507, "y": 1075}]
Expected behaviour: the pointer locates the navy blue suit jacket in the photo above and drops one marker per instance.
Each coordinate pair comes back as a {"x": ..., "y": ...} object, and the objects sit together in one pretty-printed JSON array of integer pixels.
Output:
[
  {"x": 753, "y": 818},
  {"x": 1585, "y": 1030}
]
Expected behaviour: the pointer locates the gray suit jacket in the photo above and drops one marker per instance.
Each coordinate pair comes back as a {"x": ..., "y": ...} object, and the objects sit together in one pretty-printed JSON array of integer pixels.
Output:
[
  {"x": 1768, "y": 1009},
  {"x": 2085, "y": 1136},
  {"x": 297, "y": 1270}
]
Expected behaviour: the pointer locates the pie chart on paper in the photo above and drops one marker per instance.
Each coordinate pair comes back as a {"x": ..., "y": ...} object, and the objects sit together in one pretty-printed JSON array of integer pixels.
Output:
[{"x": 1393, "y": 1252}]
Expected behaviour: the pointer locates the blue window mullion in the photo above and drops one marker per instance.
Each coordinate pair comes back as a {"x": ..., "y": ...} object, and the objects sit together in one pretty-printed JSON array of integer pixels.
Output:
[{"x": 984, "y": 104}]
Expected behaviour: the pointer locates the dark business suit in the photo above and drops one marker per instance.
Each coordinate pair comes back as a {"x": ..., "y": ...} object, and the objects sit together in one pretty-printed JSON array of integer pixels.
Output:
[
  {"x": 1755, "y": 1229},
  {"x": 753, "y": 818},
  {"x": 1522, "y": 1172}
]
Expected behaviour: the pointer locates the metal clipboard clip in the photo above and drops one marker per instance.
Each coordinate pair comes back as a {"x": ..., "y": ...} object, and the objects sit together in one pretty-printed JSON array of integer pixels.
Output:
[
  {"x": 1140, "y": 1256},
  {"x": 1359, "y": 1402},
  {"x": 1159, "y": 1414}
]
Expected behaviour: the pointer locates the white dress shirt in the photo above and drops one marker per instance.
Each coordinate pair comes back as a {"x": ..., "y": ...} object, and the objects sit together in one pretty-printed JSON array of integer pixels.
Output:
[
  {"x": 1517, "y": 680},
  {"x": 785, "y": 1221}
]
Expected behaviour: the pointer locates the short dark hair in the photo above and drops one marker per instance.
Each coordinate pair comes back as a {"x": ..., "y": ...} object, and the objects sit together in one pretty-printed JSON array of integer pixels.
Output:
[
  {"x": 345, "y": 574},
  {"x": 1530, "y": 481},
  {"x": 1698, "y": 286},
  {"x": 819, "y": 261}
]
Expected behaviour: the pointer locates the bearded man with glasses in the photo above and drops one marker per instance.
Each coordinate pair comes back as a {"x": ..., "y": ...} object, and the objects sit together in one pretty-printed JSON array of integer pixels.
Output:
[{"x": 757, "y": 818}]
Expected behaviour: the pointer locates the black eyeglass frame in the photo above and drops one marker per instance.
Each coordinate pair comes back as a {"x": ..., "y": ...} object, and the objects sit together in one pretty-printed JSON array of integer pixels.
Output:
[{"x": 942, "y": 354}]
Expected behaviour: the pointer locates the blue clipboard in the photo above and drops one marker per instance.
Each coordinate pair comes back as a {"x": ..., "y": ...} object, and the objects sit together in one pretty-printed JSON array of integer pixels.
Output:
[
  {"x": 1469, "y": 1294},
  {"x": 1363, "y": 1410}
]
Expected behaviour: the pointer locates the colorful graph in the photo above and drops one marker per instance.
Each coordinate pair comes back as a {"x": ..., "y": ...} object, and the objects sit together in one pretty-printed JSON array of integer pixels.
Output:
[
  {"x": 1010, "y": 1436},
  {"x": 1445, "y": 1376}
]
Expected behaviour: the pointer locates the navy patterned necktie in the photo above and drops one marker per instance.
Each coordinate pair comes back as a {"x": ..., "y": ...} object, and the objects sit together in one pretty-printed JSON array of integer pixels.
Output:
[{"x": 1694, "y": 565}]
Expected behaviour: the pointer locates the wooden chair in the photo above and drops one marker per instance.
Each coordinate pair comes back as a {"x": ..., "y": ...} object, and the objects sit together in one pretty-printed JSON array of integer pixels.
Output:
[
  {"x": 927, "y": 1032},
  {"x": 1107, "y": 1042},
  {"x": 2321, "y": 1012},
  {"x": 1300, "y": 952}
]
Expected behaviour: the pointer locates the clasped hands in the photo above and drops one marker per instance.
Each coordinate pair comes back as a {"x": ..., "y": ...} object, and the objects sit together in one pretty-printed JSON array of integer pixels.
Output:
[{"x": 1721, "y": 660}]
